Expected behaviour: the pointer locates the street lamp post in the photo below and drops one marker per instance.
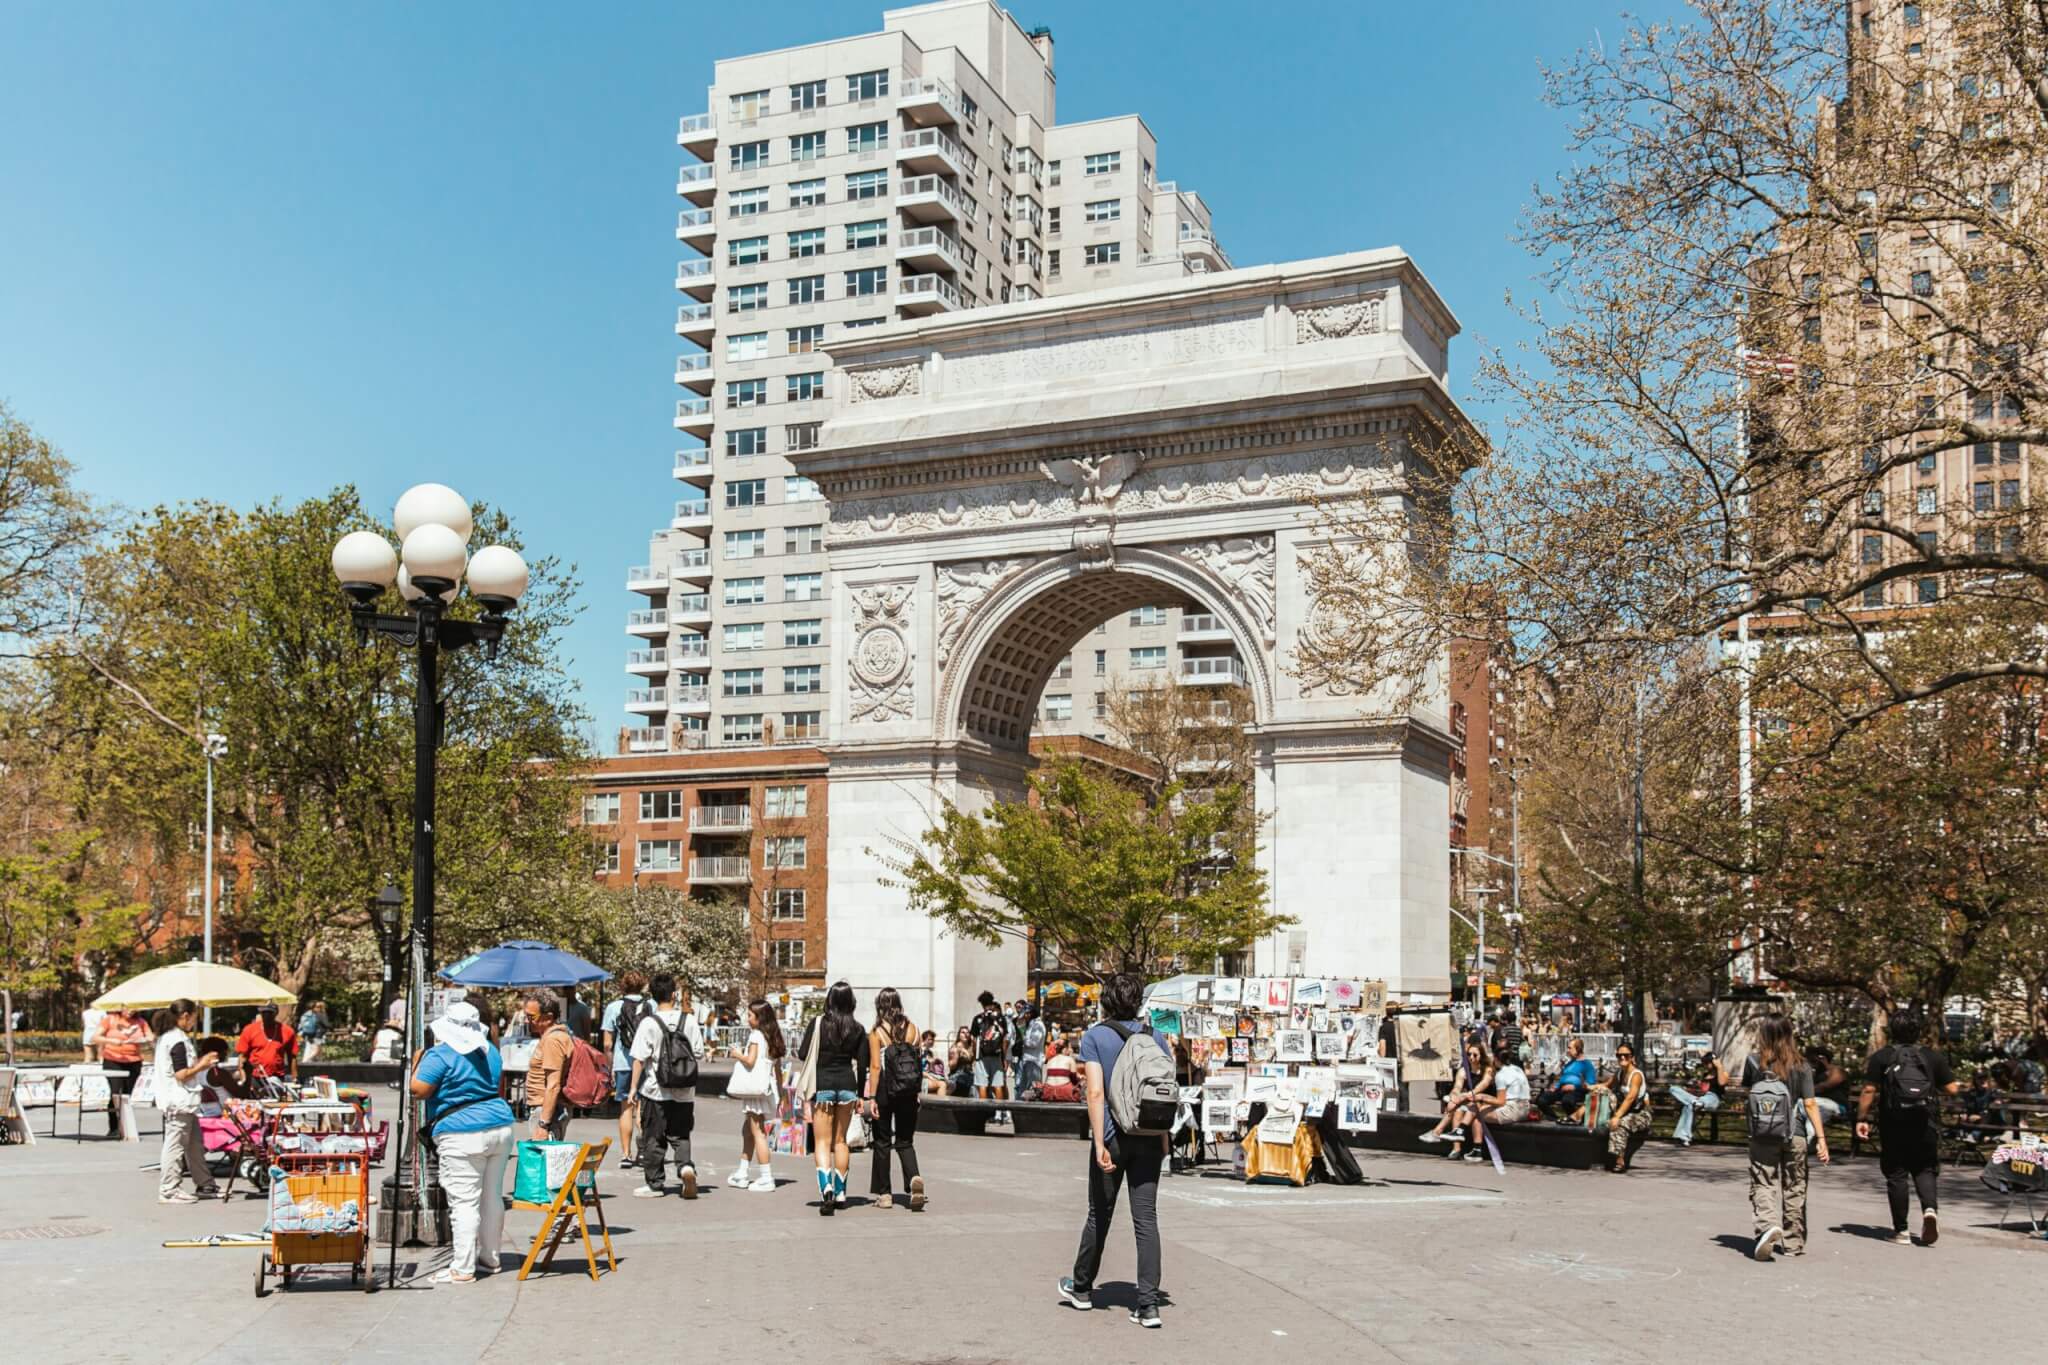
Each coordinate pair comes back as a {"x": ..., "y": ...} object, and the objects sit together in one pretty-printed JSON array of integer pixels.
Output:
[
  {"x": 433, "y": 525},
  {"x": 385, "y": 906},
  {"x": 214, "y": 746}
]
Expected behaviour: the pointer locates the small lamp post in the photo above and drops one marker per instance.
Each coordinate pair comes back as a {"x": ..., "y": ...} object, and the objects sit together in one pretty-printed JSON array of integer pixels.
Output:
[{"x": 384, "y": 906}]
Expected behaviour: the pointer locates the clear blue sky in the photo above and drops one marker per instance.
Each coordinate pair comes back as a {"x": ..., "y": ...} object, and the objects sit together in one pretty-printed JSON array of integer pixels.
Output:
[{"x": 254, "y": 250}]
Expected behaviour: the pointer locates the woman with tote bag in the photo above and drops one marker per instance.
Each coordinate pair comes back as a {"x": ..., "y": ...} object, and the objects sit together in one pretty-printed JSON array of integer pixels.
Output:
[
  {"x": 835, "y": 1053},
  {"x": 753, "y": 1085}
]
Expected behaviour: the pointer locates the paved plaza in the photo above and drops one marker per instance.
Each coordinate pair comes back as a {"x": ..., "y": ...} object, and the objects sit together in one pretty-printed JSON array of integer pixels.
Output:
[{"x": 1428, "y": 1261}]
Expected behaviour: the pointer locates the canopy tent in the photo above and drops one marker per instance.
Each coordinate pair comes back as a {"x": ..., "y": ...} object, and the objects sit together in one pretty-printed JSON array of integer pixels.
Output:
[
  {"x": 523, "y": 962},
  {"x": 1174, "y": 990},
  {"x": 214, "y": 984}
]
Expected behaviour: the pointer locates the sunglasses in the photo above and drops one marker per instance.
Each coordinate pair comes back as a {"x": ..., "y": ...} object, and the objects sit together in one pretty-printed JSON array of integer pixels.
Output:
[{"x": 1626, "y": 1056}]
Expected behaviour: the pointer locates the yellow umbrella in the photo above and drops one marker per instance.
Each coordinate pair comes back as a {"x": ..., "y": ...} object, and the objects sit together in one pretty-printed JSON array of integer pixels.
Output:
[{"x": 205, "y": 983}]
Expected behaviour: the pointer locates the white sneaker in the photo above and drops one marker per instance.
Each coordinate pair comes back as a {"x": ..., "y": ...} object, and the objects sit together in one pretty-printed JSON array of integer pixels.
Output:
[
  {"x": 1767, "y": 1243},
  {"x": 645, "y": 1193},
  {"x": 765, "y": 1183},
  {"x": 740, "y": 1178},
  {"x": 1930, "y": 1227},
  {"x": 1431, "y": 1137}
]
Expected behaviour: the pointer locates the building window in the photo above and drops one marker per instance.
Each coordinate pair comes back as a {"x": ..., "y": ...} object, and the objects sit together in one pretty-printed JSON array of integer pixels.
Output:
[
  {"x": 803, "y": 587},
  {"x": 1874, "y": 596},
  {"x": 2008, "y": 452},
  {"x": 809, "y": 242},
  {"x": 744, "y": 636},
  {"x": 807, "y": 289},
  {"x": 1980, "y": 499},
  {"x": 1925, "y": 465},
  {"x": 1103, "y": 253},
  {"x": 608, "y": 857},
  {"x": 746, "y": 544},
  {"x": 873, "y": 232},
  {"x": 806, "y": 194},
  {"x": 802, "y": 540},
  {"x": 1980, "y": 454},
  {"x": 1912, "y": 16},
  {"x": 867, "y": 184},
  {"x": 2008, "y": 492},
  {"x": 742, "y": 442},
  {"x": 787, "y": 850},
  {"x": 666, "y": 804},
  {"x": 1150, "y": 656},
  {"x": 1052, "y": 172},
  {"x": 747, "y": 156},
  {"x": 1923, "y": 284},
  {"x": 1873, "y": 504},
  {"x": 746, "y": 346},
  {"x": 1059, "y": 708},
  {"x": 786, "y": 954},
  {"x": 1052, "y": 222},
  {"x": 746, "y": 492},
  {"x": 807, "y": 146},
  {"x": 868, "y": 85},
  {"x": 1104, "y": 210},
  {"x": 1052, "y": 265},
  {"x": 742, "y": 682},
  {"x": 745, "y": 298},
  {"x": 747, "y": 203},
  {"x": 1065, "y": 669},
  {"x": 797, "y": 488},
  {"x": 853, "y": 324},
  {"x": 746, "y": 592},
  {"x": 1925, "y": 541},
  {"x": 863, "y": 283},
  {"x": 746, "y": 251},
  {"x": 740, "y": 729},
  {"x": 1101, "y": 662},
  {"x": 746, "y": 393},
  {"x": 786, "y": 903},
  {"x": 1926, "y": 590},
  {"x": 803, "y": 634},
  {"x": 749, "y": 106},
  {"x": 809, "y": 95},
  {"x": 801, "y": 435},
  {"x": 658, "y": 855},
  {"x": 1923, "y": 502},
  {"x": 1149, "y": 616},
  {"x": 1102, "y": 163},
  {"x": 803, "y": 679},
  {"x": 802, "y": 388},
  {"x": 786, "y": 803},
  {"x": 601, "y": 808},
  {"x": 803, "y": 724},
  {"x": 867, "y": 137}
]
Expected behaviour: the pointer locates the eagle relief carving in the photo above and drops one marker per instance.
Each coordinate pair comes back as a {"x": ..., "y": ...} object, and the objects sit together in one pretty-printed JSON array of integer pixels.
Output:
[
  {"x": 879, "y": 675},
  {"x": 1095, "y": 480}
]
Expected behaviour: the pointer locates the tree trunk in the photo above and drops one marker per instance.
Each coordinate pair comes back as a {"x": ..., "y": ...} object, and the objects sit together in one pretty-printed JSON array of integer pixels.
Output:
[
  {"x": 1880, "y": 1024},
  {"x": 7, "y": 1021},
  {"x": 293, "y": 978}
]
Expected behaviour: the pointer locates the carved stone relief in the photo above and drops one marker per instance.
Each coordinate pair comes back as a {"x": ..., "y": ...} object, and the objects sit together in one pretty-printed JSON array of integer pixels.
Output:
[
  {"x": 1334, "y": 321},
  {"x": 1330, "y": 642},
  {"x": 1245, "y": 565},
  {"x": 962, "y": 588},
  {"x": 1096, "y": 481},
  {"x": 883, "y": 381},
  {"x": 881, "y": 686}
]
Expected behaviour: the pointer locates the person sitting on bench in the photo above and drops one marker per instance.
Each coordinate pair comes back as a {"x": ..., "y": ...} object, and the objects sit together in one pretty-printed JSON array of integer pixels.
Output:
[{"x": 1572, "y": 1084}]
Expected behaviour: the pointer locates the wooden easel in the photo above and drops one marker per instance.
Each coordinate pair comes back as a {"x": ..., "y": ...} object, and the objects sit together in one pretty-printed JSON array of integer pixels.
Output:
[{"x": 567, "y": 1209}]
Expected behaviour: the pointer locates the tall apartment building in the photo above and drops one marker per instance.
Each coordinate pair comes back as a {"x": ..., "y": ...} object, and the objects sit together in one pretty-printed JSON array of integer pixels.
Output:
[{"x": 843, "y": 185}]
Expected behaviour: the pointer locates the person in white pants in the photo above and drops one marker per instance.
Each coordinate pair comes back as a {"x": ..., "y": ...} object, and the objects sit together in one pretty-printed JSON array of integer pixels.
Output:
[
  {"x": 458, "y": 1078},
  {"x": 179, "y": 1064}
]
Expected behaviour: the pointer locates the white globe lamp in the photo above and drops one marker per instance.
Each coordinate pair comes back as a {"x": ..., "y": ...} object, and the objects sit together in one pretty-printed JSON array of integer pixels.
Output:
[
  {"x": 364, "y": 564},
  {"x": 431, "y": 504},
  {"x": 497, "y": 577},
  {"x": 434, "y": 557},
  {"x": 412, "y": 594}
]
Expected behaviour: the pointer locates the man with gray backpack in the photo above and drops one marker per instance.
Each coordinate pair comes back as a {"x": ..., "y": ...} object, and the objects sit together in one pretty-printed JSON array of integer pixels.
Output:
[
  {"x": 1132, "y": 1101},
  {"x": 1905, "y": 1083}
]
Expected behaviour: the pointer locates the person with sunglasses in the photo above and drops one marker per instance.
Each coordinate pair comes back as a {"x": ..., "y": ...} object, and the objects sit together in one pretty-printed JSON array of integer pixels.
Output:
[
  {"x": 1475, "y": 1078},
  {"x": 1631, "y": 1116}
]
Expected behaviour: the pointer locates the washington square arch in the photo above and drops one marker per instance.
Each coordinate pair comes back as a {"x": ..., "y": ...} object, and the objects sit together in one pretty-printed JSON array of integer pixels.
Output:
[{"x": 1002, "y": 480}]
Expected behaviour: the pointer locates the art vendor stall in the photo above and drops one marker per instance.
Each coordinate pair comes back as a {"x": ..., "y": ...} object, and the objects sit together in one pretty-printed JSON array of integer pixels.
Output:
[{"x": 1274, "y": 1054}]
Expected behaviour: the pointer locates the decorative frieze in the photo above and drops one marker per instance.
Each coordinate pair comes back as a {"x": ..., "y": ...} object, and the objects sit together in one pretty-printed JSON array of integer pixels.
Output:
[
  {"x": 962, "y": 588},
  {"x": 883, "y": 381},
  {"x": 880, "y": 683},
  {"x": 1334, "y": 321}
]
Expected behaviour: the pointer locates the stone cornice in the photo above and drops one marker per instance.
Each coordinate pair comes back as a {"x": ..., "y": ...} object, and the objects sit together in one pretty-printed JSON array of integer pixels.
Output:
[{"x": 1311, "y": 741}]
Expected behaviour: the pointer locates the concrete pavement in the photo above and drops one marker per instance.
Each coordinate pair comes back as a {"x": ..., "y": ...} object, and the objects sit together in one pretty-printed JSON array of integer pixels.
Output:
[{"x": 1429, "y": 1260}]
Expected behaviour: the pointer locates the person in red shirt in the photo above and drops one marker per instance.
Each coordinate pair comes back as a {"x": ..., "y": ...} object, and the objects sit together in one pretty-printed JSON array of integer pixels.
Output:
[{"x": 269, "y": 1046}]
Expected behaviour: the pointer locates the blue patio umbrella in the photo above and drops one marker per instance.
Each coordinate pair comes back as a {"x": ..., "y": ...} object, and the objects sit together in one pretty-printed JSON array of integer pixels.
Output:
[{"x": 523, "y": 962}]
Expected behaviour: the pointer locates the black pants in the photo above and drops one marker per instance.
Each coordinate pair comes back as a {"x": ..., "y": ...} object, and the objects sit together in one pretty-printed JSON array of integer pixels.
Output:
[
  {"x": 895, "y": 1129},
  {"x": 1910, "y": 1159},
  {"x": 1137, "y": 1165},
  {"x": 665, "y": 1124},
  {"x": 1570, "y": 1097}
]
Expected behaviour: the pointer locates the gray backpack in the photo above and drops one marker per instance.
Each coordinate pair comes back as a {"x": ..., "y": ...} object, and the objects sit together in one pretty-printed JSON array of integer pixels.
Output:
[
  {"x": 1143, "y": 1094},
  {"x": 1773, "y": 1111}
]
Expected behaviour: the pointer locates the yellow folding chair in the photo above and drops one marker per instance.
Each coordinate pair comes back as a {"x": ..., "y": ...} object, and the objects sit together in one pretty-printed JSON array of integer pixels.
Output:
[{"x": 567, "y": 1210}]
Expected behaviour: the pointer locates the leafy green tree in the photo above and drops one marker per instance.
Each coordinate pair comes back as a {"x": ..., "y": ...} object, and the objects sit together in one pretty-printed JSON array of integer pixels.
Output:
[
  {"x": 1087, "y": 866},
  {"x": 49, "y": 920},
  {"x": 704, "y": 943},
  {"x": 45, "y": 527}
]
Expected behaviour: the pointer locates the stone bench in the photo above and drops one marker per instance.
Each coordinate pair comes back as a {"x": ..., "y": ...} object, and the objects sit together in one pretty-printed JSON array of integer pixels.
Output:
[{"x": 1028, "y": 1118}]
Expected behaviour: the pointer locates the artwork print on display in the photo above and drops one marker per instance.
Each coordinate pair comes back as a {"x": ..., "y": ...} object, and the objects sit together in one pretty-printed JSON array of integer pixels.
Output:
[
  {"x": 1279, "y": 993},
  {"x": 1226, "y": 990},
  {"x": 1311, "y": 990},
  {"x": 1291, "y": 1045}
]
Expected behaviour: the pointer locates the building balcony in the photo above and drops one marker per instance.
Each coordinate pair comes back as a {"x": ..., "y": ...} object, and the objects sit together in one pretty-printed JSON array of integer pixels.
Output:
[
  {"x": 693, "y": 699},
  {"x": 1197, "y": 628},
  {"x": 648, "y": 663},
  {"x": 647, "y": 701},
  {"x": 696, "y": 322},
  {"x": 694, "y": 416},
  {"x": 933, "y": 151},
  {"x": 932, "y": 199},
  {"x": 694, "y": 466},
  {"x": 692, "y": 653},
  {"x": 647, "y": 578},
  {"x": 690, "y": 566},
  {"x": 694, "y": 278},
  {"x": 921, "y": 294},
  {"x": 1203, "y": 251},
  {"x": 652, "y": 739},
  {"x": 927, "y": 248},
  {"x": 721, "y": 871},
  {"x": 721, "y": 819},
  {"x": 690, "y": 609},
  {"x": 693, "y": 371},
  {"x": 696, "y": 135},
  {"x": 1217, "y": 672},
  {"x": 648, "y": 623},
  {"x": 697, "y": 228},
  {"x": 698, "y": 184},
  {"x": 927, "y": 102},
  {"x": 692, "y": 514}
]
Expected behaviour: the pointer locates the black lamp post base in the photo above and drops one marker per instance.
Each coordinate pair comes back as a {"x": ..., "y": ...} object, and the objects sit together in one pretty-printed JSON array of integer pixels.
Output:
[{"x": 416, "y": 1226}]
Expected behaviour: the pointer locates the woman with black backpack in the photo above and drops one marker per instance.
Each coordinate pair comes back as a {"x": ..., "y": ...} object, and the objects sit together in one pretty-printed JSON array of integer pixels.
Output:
[{"x": 895, "y": 1082}]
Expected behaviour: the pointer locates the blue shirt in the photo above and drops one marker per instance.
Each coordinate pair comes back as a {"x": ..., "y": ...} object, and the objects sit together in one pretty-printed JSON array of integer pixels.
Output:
[
  {"x": 621, "y": 1044},
  {"x": 1579, "y": 1073},
  {"x": 465, "y": 1098},
  {"x": 1102, "y": 1046}
]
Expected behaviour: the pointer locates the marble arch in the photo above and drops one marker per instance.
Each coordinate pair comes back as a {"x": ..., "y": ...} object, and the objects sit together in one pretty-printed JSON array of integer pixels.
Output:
[{"x": 1001, "y": 480}]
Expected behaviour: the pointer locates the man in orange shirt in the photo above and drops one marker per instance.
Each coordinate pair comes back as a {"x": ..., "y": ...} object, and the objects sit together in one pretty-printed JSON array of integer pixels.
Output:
[
  {"x": 269, "y": 1046},
  {"x": 550, "y": 1065}
]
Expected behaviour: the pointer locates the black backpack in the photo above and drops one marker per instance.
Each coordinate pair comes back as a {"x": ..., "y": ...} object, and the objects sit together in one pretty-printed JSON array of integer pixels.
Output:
[
  {"x": 993, "y": 1037},
  {"x": 1908, "y": 1082},
  {"x": 902, "y": 1072},
  {"x": 675, "y": 1065},
  {"x": 627, "y": 1027}
]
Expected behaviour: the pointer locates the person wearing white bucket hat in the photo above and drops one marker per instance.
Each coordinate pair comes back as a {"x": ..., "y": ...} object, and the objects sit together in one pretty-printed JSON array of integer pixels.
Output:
[{"x": 459, "y": 1078}]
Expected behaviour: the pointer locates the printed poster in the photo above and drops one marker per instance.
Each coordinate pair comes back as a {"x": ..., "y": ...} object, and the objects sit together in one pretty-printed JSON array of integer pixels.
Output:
[
  {"x": 1345, "y": 995},
  {"x": 1281, "y": 1123},
  {"x": 1225, "y": 990},
  {"x": 1291, "y": 1045},
  {"x": 1166, "y": 1021},
  {"x": 1205, "y": 993},
  {"x": 1359, "y": 1113},
  {"x": 1279, "y": 994},
  {"x": 1315, "y": 1087},
  {"x": 1310, "y": 990},
  {"x": 1330, "y": 1047},
  {"x": 1240, "y": 1051},
  {"x": 1372, "y": 997}
]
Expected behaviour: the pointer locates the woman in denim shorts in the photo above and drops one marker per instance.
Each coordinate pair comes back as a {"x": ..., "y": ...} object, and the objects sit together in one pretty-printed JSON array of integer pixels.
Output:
[{"x": 842, "y": 1055}]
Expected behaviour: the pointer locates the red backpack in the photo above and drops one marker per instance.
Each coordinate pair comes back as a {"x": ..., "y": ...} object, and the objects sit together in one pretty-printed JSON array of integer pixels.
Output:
[{"x": 587, "y": 1082}]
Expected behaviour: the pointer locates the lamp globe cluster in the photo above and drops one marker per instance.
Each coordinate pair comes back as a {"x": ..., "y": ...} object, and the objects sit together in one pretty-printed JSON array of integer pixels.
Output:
[{"x": 433, "y": 525}]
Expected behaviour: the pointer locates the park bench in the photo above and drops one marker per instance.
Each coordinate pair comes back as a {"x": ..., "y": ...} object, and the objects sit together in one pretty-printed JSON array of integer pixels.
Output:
[{"x": 1028, "y": 1118}]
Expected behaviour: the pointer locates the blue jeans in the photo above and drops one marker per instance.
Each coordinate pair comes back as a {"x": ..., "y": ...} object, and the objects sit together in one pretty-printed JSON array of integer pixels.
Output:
[{"x": 1689, "y": 1105}]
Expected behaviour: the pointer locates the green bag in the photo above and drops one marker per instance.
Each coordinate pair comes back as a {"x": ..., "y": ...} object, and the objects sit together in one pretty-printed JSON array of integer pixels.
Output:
[{"x": 540, "y": 1169}]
